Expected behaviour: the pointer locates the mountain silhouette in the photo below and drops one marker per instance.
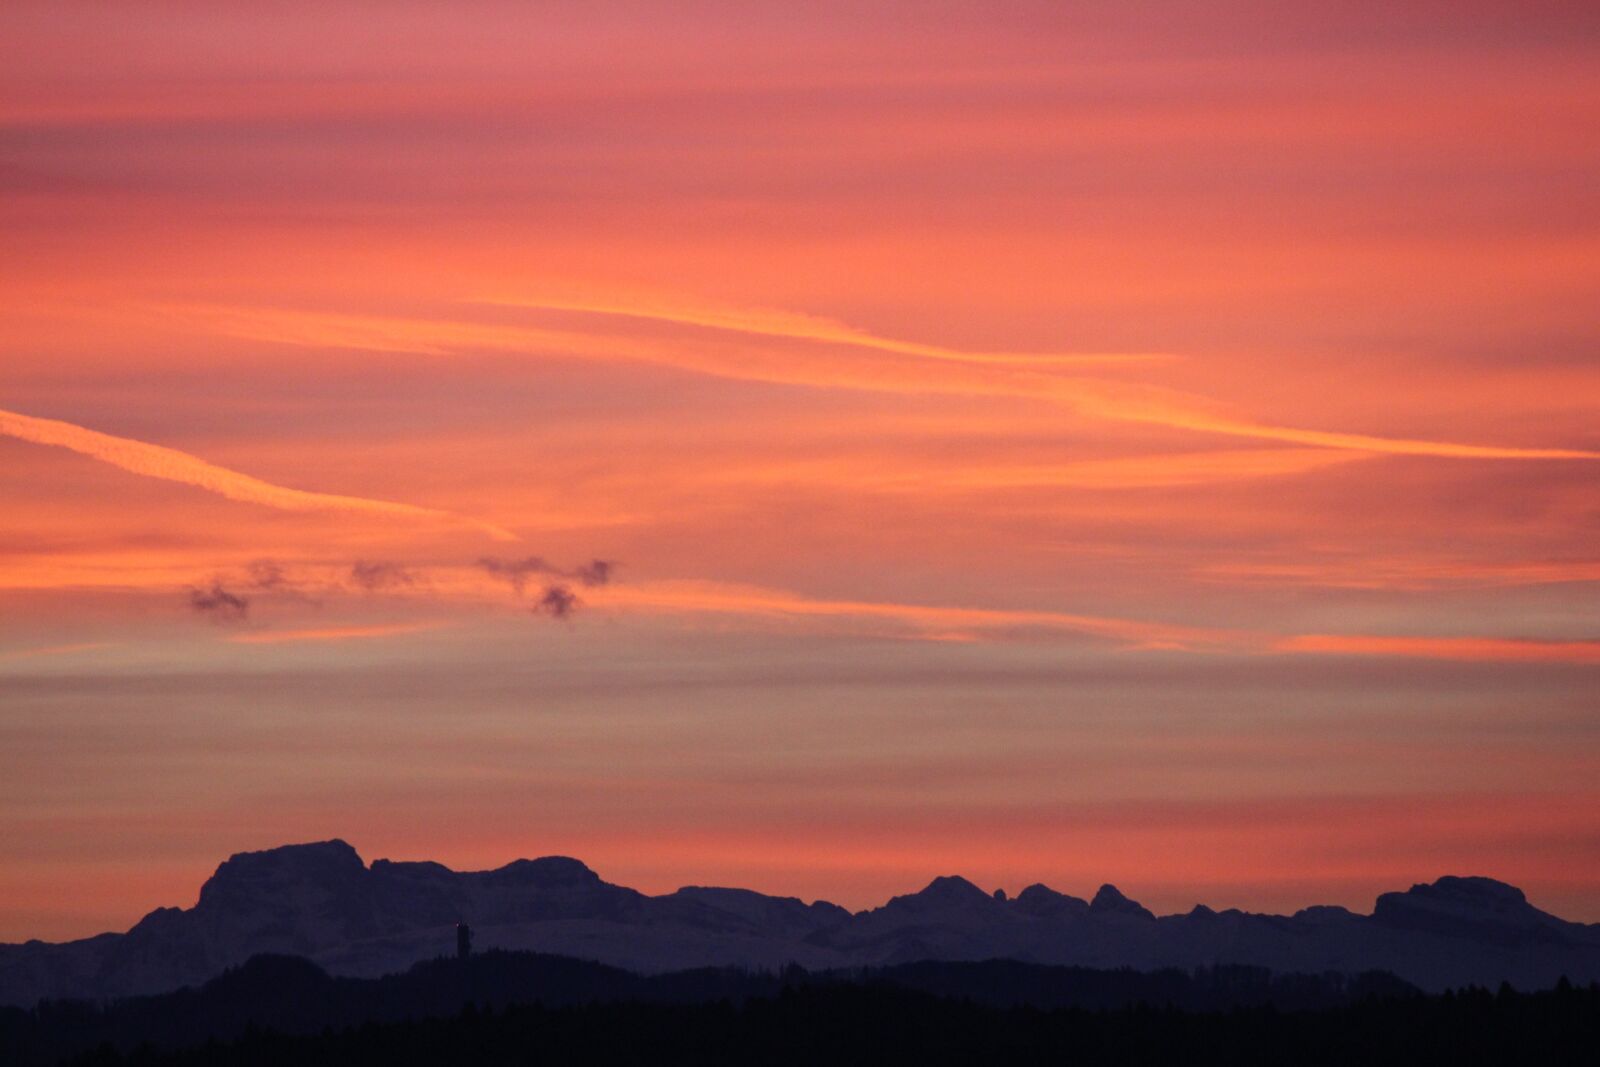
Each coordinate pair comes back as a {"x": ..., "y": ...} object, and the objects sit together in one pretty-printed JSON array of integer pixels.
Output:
[{"x": 322, "y": 902}]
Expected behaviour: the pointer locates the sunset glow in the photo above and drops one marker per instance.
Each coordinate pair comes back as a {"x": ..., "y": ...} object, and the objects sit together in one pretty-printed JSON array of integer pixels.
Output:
[{"x": 806, "y": 447}]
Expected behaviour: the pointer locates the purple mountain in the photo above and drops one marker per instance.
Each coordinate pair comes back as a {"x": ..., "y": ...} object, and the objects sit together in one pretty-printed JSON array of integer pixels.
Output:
[{"x": 322, "y": 902}]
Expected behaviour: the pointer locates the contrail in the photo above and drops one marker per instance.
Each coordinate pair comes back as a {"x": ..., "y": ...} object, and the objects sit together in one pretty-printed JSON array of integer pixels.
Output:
[
  {"x": 157, "y": 461},
  {"x": 769, "y": 322}
]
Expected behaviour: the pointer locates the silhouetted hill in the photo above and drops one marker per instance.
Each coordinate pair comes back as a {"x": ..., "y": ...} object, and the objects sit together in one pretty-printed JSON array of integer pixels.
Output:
[
  {"x": 322, "y": 902},
  {"x": 525, "y": 1007},
  {"x": 292, "y": 995}
]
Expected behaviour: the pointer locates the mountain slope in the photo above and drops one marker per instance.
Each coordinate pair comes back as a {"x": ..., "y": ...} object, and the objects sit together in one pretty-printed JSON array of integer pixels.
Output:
[{"x": 322, "y": 902}]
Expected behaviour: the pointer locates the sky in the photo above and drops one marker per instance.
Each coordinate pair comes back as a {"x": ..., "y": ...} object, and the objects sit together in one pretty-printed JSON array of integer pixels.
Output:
[{"x": 807, "y": 447}]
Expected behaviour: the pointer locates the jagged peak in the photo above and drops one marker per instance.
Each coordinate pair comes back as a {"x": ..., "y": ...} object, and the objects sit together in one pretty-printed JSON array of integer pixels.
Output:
[
  {"x": 952, "y": 887},
  {"x": 944, "y": 891},
  {"x": 1040, "y": 899},
  {"x": 1107, "y": 896},
  {"x": 1110, "y": 899}
]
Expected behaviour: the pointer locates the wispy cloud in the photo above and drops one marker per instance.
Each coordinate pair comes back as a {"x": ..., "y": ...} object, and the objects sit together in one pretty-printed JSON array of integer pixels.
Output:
[
  {"x": 518, "y": 572},
  {"x": 595, "y": 572},
  {"x": 1402, "y": 573},
  {"x": 557, "y": 601},
  {"x": 272, "y": 577},
  {"x": 216, "y": 602},
  {"x": 1512, "y": 650},
  {"x": 267, "y": 574},
  {"x": 772, "y": 322},
  {"x": 332, "y": 633},
  {"x": 158, "y": 461},
  {"x": 1155, "y": 471},
  {"x": 10, "y": 655},
  {"x": 1100, "y": 398},
  {"x": 928, "y": 621},
  {"x": 947, "y": 623},
  {"x": 376, "y": 575}
]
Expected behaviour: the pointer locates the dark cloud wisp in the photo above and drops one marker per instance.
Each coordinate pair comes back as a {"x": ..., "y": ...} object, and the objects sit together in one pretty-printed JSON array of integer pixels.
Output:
[
  {"x": 558, "y": 602},
  {"x": 218, "y": 603},
  {"x": 596, "y": 572},
  {"x": 376, "y": 575},
  {"x": 518, "y": 572},
  {"x": 267, "y": 574}
]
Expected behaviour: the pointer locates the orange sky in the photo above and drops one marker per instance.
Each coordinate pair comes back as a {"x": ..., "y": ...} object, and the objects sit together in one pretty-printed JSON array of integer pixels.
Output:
[{"x": 1141, "y": 442}]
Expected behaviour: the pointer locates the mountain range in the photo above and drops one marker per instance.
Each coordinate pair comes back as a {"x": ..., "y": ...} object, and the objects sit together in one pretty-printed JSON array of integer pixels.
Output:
[{"x": 322, "y": 902}]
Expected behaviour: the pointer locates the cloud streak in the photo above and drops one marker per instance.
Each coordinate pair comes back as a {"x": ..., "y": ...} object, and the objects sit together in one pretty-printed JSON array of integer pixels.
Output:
[
  {"x": 332, "y": 633},
  {"x": 1153, "y": 471},
  {"x": 53, "y": 650},
  {"x": 1100, "y": 398},
  {"x": 965, "y": 624},
  {"x": 1497, "y": 649},
  {"x": 927, "y": 621},
  {"x": 169, "y": 464},
  {"x": 792, "y": 325}
]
